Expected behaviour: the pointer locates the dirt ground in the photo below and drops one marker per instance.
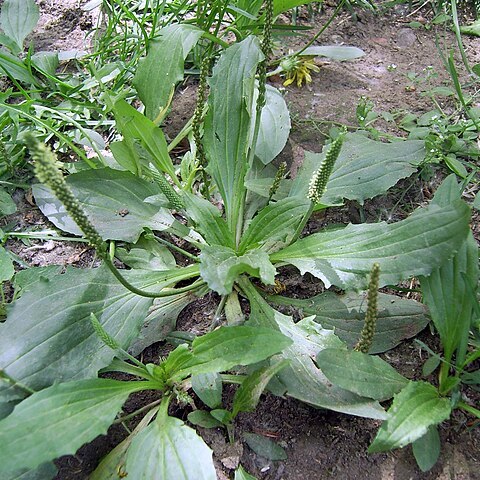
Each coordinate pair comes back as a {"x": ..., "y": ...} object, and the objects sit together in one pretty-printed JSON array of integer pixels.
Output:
[{"x": 319, "y": 444}]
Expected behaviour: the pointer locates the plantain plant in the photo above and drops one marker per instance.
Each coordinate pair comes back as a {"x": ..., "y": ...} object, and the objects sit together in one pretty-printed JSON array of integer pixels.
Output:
[
  {"x": 232, "y": 219},
  {"x": 71, "y": 413},
  {"x": 418, "y": 406}
]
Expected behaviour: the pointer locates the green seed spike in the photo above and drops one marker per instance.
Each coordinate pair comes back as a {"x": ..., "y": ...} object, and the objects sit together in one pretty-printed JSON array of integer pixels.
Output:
[
  {"x": 108, "y": 340},
  {"x": 318, "y": 183},
  {"x": 172, "y": 196},
  {"x": 266, "y": 50},
  {"x": 48, "y": 173},
  {"x": 368, "y": 331},
  {"x": 267, "y": 29},
  {"x": 278, "y": 178}
]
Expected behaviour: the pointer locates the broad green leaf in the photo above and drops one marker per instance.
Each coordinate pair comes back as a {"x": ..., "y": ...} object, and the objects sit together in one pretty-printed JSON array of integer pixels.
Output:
[
  {"x": 208, "y": 220},
  {"x": 472, "y": 29},
  {"x": 9, "y": 43},
  {"x": 220, "y": 267},
  {"x": 25, "y": 278},
  {"x": 258, "y": 182},
  {"x": 7, "y": 205},
  {"x": 124, "y": 156},
  {"x": 117, "y": 203},
  {"x": 168, "y": 449},
  {"x": 48, "y": 336},
  {"x": 274, "y": 126},
  {"x": 456, "y": 166},
  {"x": 241, "y": 474},
  {"x": 136, "y": 127},
  {"x": 112, "y": 466},
  {"x": 364, "y": 169},
  {"x": 147, "y": 254},
  {"x": 265, "y": 447},
  {"x": 18, "y": 18},
  {"x": 302, "y": 379},
  {"x": 427, "y": 449},
  {"x": 203, "y": 419},
  {"x": 417, "y": 407},
  {"x": 360, "y": 373},
  {"x": 280, "y": 6},
  {"x": 46, "y": 471},
  {"x": 248, "y": 394},
  {"x": 46, "y": 61},
  {"x": 6, "y": 266},
  {"x": 430, "y": 365},
  {"x": 335, "y": 52},
  {"x": 227, "y": 123},
  {"x": 228, "y": 347},
  {"x": 397, "y": 318},
  {"x": 411, "y": 247},
  {"x": 15, "y": 68},
  {"x": 162, "y": 68},
  {"x": 222, "y": 415},
  {"x": 446, "y": 291},
  {"x": 275, "y": 225},
  {"x": 208, "y": 387},
  {"x": 59, "y": 420},
  {"x": 161, "y": 320}
]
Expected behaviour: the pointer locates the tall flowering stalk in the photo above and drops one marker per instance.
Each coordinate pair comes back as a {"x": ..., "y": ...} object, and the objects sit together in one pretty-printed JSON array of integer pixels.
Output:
[
  {"x": 319, "y": 180},
  {"x": 266, "y": 50},
  {"x": 368, "y": 331},
  {"x": 318, "y": 183},
  {"x": 48, "y": 172},
  {"x": 198, "y": 119}
]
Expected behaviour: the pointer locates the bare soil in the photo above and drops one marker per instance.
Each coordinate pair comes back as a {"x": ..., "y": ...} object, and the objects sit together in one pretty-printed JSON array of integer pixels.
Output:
[{"x": 319, "y": 444}]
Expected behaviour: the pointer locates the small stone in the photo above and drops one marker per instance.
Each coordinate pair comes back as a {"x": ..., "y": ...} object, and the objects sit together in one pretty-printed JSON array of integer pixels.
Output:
[{"x": 406, "y": 38}]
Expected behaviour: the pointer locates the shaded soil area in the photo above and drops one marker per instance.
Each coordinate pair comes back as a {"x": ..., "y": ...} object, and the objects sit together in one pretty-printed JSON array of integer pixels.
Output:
[{"x": 319, "y": 444}]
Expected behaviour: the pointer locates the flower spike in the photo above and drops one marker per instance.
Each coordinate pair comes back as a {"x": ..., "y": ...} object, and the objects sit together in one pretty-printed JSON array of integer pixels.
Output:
[
  {"x": 368, "y": 331},
  {"x": 318, "y": 183}
]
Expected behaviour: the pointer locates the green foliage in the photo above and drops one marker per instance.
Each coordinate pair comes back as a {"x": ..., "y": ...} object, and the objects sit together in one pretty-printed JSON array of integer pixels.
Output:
[
  {"x": 229, "y": 218},
  {"x": 397, "y": 318},
  {"x": 371, "y": 377},
  {"x": 417, "y": 407},
  {"x": 156, "y": 91},
  {"x": 18, "y": 18},
  {"x": 77, "y": 411},
  {"x": 427, "y": 449},
  {"x": 167, "y": 445},
  {"x": 68, "y": 415},
  {"x": 265, "y": 447}
]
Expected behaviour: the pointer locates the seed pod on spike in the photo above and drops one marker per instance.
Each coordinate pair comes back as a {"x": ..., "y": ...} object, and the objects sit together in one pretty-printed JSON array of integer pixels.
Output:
[
  {"x": 318, "y": 183},
  {"x": 368, "y": 331}
]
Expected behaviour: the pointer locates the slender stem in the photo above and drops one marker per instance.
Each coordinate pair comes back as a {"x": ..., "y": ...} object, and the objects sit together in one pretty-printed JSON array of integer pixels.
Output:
[
  {"x": 137, "y": 412},
  {"x": 469, "y": 409},
  {"x": 235, "y": 379},
  {"x": 14, "y": 383},
  {"x": 143, "y": 293},
  {"x": 215, "y": 39},
  {"x": 330, "y": 20},
  {"x": 302, "y": 224},
  {"x": 177, "y": 249},
  {"x": 458, "y": 35},
  {"x": 181, "y": 135},
  {"x": 218, "y": 313},
  {"x": 44, "y": 236}
]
